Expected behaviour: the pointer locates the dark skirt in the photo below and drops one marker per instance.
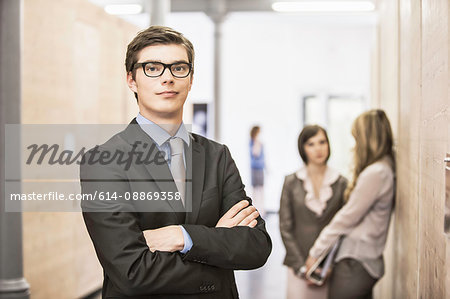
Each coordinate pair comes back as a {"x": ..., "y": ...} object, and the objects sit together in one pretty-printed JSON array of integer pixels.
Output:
[
  {"x": 349, "y": 280},
  {"x": 257, "y": 177}
]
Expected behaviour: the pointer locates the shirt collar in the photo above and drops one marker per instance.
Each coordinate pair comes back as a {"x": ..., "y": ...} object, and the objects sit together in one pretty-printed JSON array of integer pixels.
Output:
[
  {"x": 331, "y": 175},
  {"x": 158, "y": 134}
]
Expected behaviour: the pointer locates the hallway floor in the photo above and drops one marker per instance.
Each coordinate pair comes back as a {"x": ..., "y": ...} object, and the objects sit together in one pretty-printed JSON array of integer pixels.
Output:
[{"x": 268, "y": 282}]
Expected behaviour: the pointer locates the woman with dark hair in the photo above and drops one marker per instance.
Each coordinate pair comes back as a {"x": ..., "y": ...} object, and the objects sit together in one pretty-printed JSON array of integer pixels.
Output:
[
  {"x": 310, "y": 198},
  {"x": 257, "y": 165},
  {"x": 362, "y": 224}
]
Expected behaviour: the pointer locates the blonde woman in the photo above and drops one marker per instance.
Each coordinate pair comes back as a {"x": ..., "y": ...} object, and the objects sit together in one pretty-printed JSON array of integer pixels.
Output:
[
  {"x": 310, "y": 198},
  {"x": 364, "y": 220}
]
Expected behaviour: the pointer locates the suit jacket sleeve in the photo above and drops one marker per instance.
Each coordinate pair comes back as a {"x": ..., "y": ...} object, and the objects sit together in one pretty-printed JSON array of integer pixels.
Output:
[
  {"x": 240, "y": 247},
  {"x": 121, "y": 248},
  {"x": 287, "y": 223}
]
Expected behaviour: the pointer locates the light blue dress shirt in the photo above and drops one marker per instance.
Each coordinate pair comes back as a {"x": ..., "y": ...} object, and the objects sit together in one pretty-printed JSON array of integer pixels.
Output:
[{"x": 161, "y": 137}]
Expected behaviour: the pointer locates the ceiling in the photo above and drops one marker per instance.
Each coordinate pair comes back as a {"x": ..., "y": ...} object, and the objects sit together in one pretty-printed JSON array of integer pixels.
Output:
[
  {"x": 210, "y": 7},
  {"x": 200, "y": 5}
]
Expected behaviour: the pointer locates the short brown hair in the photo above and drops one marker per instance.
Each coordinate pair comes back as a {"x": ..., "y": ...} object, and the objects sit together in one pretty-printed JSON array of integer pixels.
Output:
[
  {"x": 254, "y": 131},
  {"x": 156, "y": 35},
  {"x": 308, "y": 132}
]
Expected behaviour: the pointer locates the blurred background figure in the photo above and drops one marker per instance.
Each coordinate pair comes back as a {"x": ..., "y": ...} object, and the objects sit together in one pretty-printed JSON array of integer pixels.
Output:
[
  {"x": 310, "y": 198},
  {"x": 363, "y": 222},
  {"x": 257, "y": 165}
]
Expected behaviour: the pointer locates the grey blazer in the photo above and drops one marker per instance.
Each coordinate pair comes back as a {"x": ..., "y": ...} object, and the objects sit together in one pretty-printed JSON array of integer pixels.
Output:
[{"x": 299, "y": 225}]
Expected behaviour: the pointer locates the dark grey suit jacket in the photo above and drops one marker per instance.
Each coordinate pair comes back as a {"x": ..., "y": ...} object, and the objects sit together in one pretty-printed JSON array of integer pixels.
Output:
[
  {"x": 299, "y": 226},
  {"x": 131, "y": 270}
]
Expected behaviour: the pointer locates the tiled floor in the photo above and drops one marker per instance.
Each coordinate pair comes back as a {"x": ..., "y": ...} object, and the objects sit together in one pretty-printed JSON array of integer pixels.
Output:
[{"x": 268, "y": 282}]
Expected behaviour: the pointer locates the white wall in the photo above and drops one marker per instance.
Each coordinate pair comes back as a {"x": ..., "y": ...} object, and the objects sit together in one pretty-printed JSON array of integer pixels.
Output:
[
  {"x": 198, "y": 28},
  {"x": 269, "y": 61}
]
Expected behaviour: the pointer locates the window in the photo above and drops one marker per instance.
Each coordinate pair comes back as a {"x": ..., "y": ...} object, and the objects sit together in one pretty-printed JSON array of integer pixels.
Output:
[{"x": 336, "y": 113}]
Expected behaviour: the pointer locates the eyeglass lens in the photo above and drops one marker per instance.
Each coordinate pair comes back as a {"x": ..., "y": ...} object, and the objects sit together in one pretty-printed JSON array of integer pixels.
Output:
[{"x": 156, "y": 69}]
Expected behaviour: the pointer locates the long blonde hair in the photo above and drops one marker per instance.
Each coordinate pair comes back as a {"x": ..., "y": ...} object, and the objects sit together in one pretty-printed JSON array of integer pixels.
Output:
[{"x": 373, "y": 136}]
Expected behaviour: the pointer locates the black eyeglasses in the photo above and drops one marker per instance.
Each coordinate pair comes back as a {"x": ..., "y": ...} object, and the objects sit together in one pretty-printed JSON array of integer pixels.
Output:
[{"x": 155, "y": 69}]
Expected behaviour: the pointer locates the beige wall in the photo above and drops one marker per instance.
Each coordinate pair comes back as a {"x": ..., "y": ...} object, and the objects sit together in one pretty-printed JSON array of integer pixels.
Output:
[
  {"x": 417, "y": 32},
  {"x": 385, "y": 94},
  {"x": 73, "y": 72}
]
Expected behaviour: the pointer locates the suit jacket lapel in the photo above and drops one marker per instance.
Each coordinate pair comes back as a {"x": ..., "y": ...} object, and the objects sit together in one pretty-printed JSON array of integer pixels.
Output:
[
  {"x": 197, "y": 173},
  {"x": 158, "y": 172}
]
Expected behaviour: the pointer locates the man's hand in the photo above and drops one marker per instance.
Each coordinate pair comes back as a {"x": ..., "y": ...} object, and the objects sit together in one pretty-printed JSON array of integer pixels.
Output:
[
  {"x": 169, "y": 238},
  {"x": 239, "y": 215}
]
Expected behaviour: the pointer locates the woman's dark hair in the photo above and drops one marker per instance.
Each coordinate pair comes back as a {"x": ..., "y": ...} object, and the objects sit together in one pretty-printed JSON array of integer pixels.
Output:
[{"x": 308, "y": 132}]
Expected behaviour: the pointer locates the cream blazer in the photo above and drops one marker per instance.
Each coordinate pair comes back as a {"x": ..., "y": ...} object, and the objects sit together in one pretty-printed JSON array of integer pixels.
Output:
[{"x": 363, "y": 221}]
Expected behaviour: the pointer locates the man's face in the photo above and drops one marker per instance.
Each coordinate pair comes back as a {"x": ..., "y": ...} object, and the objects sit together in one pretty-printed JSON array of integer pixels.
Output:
[{"x": 161, "y": 98}]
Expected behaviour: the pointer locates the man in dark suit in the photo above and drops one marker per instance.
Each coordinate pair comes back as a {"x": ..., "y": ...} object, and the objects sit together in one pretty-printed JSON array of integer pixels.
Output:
[{"x": 169, "y": 217}]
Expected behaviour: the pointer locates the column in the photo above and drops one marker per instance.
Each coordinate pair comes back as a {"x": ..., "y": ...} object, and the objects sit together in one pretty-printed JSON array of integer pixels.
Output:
[
  {"x": 159, "y": 9},
  {"x": 12, "y": 282},
  {"x": 217, "y": 12}
]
